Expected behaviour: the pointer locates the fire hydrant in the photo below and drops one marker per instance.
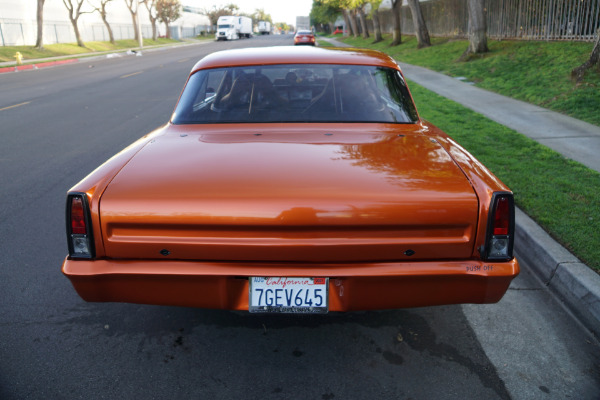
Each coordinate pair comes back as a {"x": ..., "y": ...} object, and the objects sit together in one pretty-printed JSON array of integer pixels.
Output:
[{"x": 19, "y": 58}]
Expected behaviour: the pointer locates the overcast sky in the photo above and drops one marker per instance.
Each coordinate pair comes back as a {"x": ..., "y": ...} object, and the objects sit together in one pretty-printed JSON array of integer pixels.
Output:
[{"x": 280, "y": 10}]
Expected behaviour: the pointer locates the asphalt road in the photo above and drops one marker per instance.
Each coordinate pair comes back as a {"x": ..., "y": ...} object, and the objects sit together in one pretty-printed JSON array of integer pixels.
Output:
[{"x": 68, "y": 120}]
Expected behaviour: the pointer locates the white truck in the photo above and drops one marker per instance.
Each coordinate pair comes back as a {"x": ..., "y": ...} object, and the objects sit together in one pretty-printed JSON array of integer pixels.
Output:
[
  {"x": 233, "y": 27},
  {"x": 302, "y": 23},
  {"x": 264, "y": 27}
]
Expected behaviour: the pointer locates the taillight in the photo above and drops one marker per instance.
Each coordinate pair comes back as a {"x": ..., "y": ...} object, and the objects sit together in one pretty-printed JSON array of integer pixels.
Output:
[
  {"x": 501, "y": 228},
  {"x": 79, "y": 229},
  {"x": 77, "y": 216}
]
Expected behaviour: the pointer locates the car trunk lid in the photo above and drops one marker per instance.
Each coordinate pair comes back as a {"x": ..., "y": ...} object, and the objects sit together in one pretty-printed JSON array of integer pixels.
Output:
[{"x": 304, "y": 195}]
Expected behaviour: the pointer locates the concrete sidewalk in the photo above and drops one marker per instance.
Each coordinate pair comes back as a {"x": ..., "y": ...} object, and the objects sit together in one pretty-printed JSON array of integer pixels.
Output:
[{"x": 577, "y": 285}]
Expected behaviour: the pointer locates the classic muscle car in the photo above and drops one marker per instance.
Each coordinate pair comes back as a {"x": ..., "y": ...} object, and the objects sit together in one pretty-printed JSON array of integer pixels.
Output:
[{"x": 292, "y": 180}]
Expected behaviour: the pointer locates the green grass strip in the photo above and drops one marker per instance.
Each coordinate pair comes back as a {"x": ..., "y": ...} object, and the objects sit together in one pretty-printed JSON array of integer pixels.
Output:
[
  {"x": 71, "y": 49},
  {"x": 562, "y": 195}
]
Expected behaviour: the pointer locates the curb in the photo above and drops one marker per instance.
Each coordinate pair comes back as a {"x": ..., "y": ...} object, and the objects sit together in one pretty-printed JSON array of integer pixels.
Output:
[
  {"x": 565, "y": 275},
  {"x": 38, "y": 65}
]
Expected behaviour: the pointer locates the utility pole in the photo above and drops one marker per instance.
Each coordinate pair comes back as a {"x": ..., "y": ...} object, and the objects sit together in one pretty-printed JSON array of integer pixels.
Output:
[{"x": 139, "y": 25}]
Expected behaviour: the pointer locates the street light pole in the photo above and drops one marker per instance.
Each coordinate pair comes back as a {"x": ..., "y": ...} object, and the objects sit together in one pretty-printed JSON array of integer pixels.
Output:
[{"x": 139, "y": 25}]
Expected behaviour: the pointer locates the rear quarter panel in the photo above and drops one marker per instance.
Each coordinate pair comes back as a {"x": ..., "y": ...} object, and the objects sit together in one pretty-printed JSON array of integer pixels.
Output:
[
  {"x": 96, "y": 182},
  {"x": 484, "y": 182}
]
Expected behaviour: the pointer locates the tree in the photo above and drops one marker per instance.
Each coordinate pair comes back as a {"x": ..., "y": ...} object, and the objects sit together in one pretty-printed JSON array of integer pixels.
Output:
[
  {"x": 477, "y": 28},
  {"x": 419, "y": 22},
  {"x": 375, "y": 17},
  {"x": 74, "y": 8},
  {"x": 352, "y": 18},
  {"x": 349, "y": 9},
  {"x": 132, "y": 5},
  {"x": 102, "y": 11},
  {"x": 260, "y": 15},
  {"x": 578, "y": 73},
  {"x": 282, "y": 26},
  {"x": 349, "y": 30},
  {"x": 397, "y": 32},
  {"x": 214, "y": 13},
  {"x": 363, "y": 21},
  {"x": 152, "y": 15},
  {"x": 168, "y": 11},
  {"x": 39, "y": 43},
  {"x": 324, "y": 13},
  {"x": 354, "y": 10}
]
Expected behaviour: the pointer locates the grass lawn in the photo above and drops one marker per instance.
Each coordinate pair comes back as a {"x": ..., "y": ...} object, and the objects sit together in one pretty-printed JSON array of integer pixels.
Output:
[
  {"x": 70, "y": 49},
  {"x": 562, "y": 195},
  {"x": 536, "y": 72}
]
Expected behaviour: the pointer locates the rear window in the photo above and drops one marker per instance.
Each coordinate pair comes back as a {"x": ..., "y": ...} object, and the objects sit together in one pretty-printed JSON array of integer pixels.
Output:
[{"x": 295, "y": 93}]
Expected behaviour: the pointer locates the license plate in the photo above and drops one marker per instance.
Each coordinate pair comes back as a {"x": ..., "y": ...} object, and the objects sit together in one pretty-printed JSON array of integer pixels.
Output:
[{"x": 288, "y": 295}]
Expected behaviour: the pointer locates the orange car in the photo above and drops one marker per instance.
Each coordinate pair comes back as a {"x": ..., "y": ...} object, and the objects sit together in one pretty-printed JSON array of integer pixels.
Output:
[
  {"x": 292, "y": 180},
  {"x": 304, "y": 37}
]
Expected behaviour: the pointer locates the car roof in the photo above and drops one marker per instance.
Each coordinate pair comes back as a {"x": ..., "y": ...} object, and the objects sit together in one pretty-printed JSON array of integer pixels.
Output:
[{"x": 294, "y": 55}]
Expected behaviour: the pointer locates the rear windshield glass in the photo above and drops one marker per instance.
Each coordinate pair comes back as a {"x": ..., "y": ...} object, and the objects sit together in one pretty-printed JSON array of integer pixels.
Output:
[{"x": 295, "y": 93}]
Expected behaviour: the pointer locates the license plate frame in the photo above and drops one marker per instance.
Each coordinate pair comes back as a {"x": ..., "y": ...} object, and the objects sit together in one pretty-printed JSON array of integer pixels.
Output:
[{"x": 288, "y": 295}]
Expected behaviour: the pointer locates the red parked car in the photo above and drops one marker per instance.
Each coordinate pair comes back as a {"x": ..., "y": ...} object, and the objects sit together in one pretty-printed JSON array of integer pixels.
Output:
[{"x": 304, "y": 37}]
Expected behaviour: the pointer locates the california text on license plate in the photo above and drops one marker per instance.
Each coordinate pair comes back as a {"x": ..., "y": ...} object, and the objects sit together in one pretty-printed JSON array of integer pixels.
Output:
[{"x": 288, "y": 295}]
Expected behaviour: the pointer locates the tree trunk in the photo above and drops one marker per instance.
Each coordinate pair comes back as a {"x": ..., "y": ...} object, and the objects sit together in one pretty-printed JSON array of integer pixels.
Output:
[
  {"x": 578, "y": 73},
  {"x": 363, "y": 23},
  {"x": 168, "y": 34},
  {"x": 353, "y": 23},
  {"x": 331, "y": 27},
  {"x": 154, "y": 34},
  {"x": 134, "y": 21},
  {"x": 39, "y": 43},
  {"x": 477, "y": 27},
  {"x": 397, "y": 33},
  {"x": 77, "y": 34},
  {"x": 108, "y": 28},
  {"x": 348, "y": 28},
  {"x": 377, "y": 26},
  {"x": 153, "y": 19},
  {"x": 419, "y": 23}
]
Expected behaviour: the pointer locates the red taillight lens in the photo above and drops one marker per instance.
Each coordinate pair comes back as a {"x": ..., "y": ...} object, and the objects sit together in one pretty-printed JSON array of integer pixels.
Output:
[
  {"x": 79, "y": 230},
  {"x": 502, "y": 216},
  {"x": 77, "y": 216},
  {"x": 500, "y": 229}
]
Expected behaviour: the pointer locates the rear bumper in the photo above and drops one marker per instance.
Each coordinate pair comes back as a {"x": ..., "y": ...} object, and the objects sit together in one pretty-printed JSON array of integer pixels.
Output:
[{"x": 223, "y": 285}]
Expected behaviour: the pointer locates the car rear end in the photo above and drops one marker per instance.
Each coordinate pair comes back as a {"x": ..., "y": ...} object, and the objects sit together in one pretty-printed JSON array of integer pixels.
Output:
[
  {"x": 304, "y": 37},
  {"x": 292, "y": 216},
  {"x": 374, "y": 238}
]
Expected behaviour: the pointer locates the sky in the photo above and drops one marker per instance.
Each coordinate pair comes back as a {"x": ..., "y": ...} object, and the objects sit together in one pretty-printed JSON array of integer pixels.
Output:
[{"x": 280, "y": 10}]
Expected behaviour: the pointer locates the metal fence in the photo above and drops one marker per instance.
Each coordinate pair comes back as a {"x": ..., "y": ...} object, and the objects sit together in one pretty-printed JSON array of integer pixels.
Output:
[
  {"x": 24, "y": 33},
  {"x": 508, "y": 19}
]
